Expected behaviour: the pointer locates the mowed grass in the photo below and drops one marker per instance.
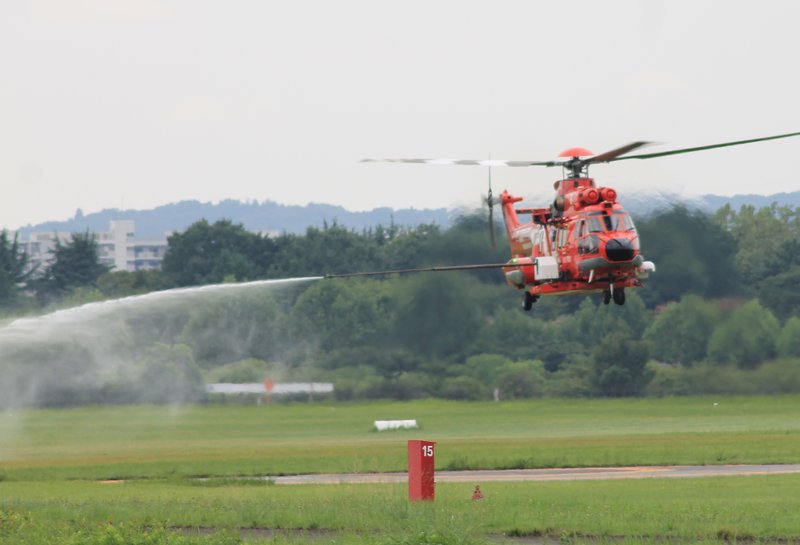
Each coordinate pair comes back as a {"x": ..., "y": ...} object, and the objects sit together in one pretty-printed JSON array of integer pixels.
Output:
[
  {"x": 158, "y": 441},
  {"x": 684, "y": 510},
  {"x": 52, "y": 461}
]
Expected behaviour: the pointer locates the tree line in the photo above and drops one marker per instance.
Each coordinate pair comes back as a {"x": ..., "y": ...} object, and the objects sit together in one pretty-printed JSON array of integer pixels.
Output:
[{"x": 720, "y": 314}]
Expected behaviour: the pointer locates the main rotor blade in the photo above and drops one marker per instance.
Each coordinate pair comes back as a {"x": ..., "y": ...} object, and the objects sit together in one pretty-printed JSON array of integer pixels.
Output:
[
  {"x": 611, "y": 155},
  {"x": 428, "y": 269},
  {"x": 701, "y": 148},
  {"x": 471, "y": 162}
]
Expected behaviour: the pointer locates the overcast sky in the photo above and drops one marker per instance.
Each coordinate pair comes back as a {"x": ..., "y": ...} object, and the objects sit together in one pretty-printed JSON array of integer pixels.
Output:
[{"x": 116, "y": 103}]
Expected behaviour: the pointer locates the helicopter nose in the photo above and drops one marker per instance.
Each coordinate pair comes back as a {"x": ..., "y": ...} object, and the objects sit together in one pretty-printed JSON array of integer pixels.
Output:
[{"x": 619, "y": 249}]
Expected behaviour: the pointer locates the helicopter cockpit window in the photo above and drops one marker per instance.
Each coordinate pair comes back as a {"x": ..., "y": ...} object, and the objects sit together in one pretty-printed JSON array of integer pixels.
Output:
[
  {"x": 593, "y": 225},
  {"x": 588, "y": 245},
  {"x": 619, "y": 222}
]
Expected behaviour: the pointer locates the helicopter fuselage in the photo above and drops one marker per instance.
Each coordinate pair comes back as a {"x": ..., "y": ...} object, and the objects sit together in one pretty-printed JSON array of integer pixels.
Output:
[{"x": 584, "y": 242}]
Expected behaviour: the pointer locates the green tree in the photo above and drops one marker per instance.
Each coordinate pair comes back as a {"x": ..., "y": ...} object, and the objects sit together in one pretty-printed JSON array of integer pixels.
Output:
[
  {"x": 781, "y": 293},
  {"x": 594, "y": 321},
  {"x": 788, "y": 342},
  {"x": 693, "y": 253},
  {"x": 208, "y": 254},
  {"x": 680, "y": 332},
  {"x": 347, "y": 313},
  {"x": 231, "y": 328},
  {"x": 406, "y": 249},
  {"x": 779, "y": 287},
  {"x": 574, "y": 378},
  {"x": 389, "y": 362},
  {"x": 635, "y": 314},
  {"x": 520, "y": 379},
  {"x": 438, "y": 315},
  {"x": 768, "y": 253},
  {"x": 511, "y": 333},
  {"x": 620, "y": 365},
  {"x": 746, "y": 339},
  {"x": 786, "y": 256},
  {"x": 759, "y": 234},
  {"x": 13, "y": 268},
  {"x": 484, "y": 367},
  {"x": 332, "y": 249},
  {"x": 467, "y": 242},
  {"x": 75, "y": 264},
  {"x": 125, "y": 283}
]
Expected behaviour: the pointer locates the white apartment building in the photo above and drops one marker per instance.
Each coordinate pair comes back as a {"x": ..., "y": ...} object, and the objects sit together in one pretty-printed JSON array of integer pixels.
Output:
[{"x": 116, "y": 248}]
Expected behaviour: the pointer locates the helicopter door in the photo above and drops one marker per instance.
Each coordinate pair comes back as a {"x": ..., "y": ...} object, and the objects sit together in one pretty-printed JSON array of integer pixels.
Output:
[
  {"x": 547, "y": 265},
  {"x": 561, "y": 237},
  {"x": 539, "y": 239}
]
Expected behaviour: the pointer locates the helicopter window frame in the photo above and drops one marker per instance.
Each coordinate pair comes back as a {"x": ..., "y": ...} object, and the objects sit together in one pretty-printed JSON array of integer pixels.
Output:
[
  {"x": 589, "y": 245},
  {"x": 621, "y": 221},
  {"x": 538, "y": 239},
  {"x": 631, "y": 225},
  {"x": 561, "y": 237},
  {"x": 594, "y": 225},
  {"x": 593, "y": 244}
]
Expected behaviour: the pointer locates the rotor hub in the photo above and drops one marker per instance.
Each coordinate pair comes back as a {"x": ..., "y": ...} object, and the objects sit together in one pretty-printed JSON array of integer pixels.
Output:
[{"x": 576, "y": 152}]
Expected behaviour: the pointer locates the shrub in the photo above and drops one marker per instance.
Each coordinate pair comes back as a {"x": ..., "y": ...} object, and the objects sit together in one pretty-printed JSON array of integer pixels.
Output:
[
  {"x": 746, "y": 339},
  {"x": 788, "y": 342},
  {"x": 463, "y": 388},
  {"x": 680, "y": 333},
  {"x": 520, "y": 379},
  {"x": 620, "y": 366}
]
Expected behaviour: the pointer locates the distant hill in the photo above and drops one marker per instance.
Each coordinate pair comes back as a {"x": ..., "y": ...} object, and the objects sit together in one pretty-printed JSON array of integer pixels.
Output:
[
  {"x": 272, "y": 217},
  {"x": 642, "y": 204},
  {"x": 715, "y": 202},
  {"x": 264, "y": 216}
]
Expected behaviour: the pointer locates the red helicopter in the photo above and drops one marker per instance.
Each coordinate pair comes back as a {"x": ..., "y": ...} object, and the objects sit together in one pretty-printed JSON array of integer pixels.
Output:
[{"x": 584, "y": 242}]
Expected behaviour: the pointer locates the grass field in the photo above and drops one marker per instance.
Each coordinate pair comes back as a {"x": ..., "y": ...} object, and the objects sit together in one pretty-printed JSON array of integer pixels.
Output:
[{"x": 50, "y": 462}]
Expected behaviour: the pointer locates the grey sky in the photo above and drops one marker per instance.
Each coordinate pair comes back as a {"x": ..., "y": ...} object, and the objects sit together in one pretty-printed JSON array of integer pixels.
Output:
[{"x": 109, "y": 103}]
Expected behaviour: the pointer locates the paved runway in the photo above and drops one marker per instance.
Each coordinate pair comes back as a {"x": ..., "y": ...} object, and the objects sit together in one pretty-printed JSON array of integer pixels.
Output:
[{"x": 564, "y": 474}]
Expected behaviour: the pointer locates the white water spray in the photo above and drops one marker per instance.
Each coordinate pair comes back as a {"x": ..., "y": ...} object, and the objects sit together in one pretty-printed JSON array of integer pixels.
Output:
[
  {"x": 99, "y": 346},
  {"x": 92, "y": 311}
]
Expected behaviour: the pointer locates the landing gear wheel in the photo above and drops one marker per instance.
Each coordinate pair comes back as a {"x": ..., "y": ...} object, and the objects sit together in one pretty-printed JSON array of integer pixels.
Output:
[
  {"x": 619, "y": 296},
  {"x": 528, "y": 301},
  {"x": 606, "y": 297}
]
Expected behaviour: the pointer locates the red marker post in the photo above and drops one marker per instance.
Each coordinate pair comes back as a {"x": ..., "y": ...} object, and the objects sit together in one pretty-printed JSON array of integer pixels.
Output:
[
  {"x": 420, "y": 470},
  {"x": 269, "y": 385}
]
